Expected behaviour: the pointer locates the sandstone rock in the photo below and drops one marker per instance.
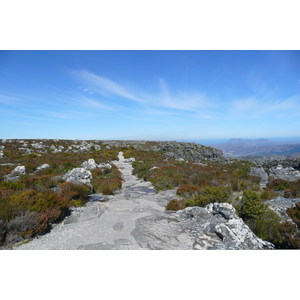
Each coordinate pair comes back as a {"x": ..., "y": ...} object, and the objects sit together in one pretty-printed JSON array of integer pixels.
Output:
[
  {"x": 78, "y": 176},
  {"x": 280, "y": 205},
  {"x": 20, "y": 170},
  {"x": 14, "y": 175},
  {"x": 90, "y": 164},
  {"x": 42, "y": 167},
  {"x": 214, "y": 227},
  {"x": 104, "y": 166},
  {"x": 285, "y": 173},
  {"x": 260, "y": 172}
]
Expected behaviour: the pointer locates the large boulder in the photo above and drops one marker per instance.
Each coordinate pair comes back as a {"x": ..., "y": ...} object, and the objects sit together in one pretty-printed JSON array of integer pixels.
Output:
[
  {"x": 78, "y": 176},
  {"x": 214, "y": 227}
]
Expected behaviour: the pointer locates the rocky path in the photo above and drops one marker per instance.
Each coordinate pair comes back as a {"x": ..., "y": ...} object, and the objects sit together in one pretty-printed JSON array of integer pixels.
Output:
[
  {"x": 135, "y": 218},
  {"x": 108, "y": 224}
]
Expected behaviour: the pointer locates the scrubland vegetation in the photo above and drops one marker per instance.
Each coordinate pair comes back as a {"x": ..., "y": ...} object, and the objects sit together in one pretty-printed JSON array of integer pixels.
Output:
[
  {"x": 33, "y": 203},
  {"x": 199, "y": 185}
]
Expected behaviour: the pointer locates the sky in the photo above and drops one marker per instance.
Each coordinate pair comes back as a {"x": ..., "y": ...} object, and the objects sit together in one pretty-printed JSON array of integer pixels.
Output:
[{"x": 198, "y": 95}]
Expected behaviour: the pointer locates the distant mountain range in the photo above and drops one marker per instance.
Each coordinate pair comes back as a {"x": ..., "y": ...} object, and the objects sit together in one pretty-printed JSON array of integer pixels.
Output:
[{"x": 247, "y": 147}]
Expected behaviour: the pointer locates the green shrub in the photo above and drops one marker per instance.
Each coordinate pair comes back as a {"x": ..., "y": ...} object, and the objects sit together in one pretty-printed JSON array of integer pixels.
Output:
[
  {"x": 251, "y": 205},
  {"x": 267, "y": 226},
  {"x": 162, "y": 183},
  {"x": 216, "y": 194},
  {"x": 140, "y": 168},
  {"x": 197, "y": 200},
  {"x": 268, "y": 194}
]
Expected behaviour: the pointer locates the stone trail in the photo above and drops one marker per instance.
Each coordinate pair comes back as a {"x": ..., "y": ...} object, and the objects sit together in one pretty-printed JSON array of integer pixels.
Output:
[{"x": 106, "y": 225}]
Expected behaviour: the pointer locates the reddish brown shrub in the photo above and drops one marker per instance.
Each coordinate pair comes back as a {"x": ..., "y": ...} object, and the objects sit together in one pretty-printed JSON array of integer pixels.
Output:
[
  {"x": 175, "y": 204},
  {"x": 186, "y": 189}
]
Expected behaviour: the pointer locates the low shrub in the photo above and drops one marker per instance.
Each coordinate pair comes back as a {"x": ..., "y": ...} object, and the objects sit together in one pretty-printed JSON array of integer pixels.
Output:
[
  {"x": 268, "y": 194},
  {"x": 209, "y": 195},
  {"x": 187, "y": 190},
  {"x": 294, "y": 214},
  {"x": 162, "y": 183},
  {"x": 175, "y": 204},
  {"x": 290, "y": 238},
  {"x": 267, "y": 226},
  {"x": 140, "y": 168}
]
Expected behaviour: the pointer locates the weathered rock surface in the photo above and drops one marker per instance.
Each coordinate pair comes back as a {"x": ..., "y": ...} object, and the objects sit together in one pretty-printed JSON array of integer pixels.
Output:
[
  {"x": 14, "y": 175},
  {"x": 78, "y": 176},
  {"x": 280, "y": 204},
  {"x": 287, "y": 173},
  {"x": 260, "y": 172},
  {"x": 42, "y": 167},
  {"x": 136, "y": 218},
  {"x": 90, "y": 164},
  {"x": 214, "y": 227},
  {"x": 20, "y": 170}
]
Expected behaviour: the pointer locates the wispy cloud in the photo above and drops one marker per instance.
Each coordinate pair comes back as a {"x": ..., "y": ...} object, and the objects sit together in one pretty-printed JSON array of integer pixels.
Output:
[
  {"x": 165, "y": 97},
  {"x": 104, "y": 86},
  {"x": 252, "y": 107},
  {"x": 182, "y": 100}
]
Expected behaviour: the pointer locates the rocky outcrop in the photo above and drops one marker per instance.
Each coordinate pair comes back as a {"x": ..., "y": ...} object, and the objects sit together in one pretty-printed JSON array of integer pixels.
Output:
[
  {"x": 260, "y": 172},
  {"x": 78, "y": 176},
  {"x": 191, "y": 152},
  {"x": 287, "y": 173},
  {"x": 14, "y": 175},
  {"x": 280, "y": 205},
  {"x": 90, "y": 164},
  {"x": 214, "y": 227}
]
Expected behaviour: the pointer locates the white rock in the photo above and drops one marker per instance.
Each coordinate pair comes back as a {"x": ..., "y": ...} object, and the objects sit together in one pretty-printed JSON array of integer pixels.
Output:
[
  {"x": 42, "y": 167},
  {"x": 78, "y": 176},
  {"x": 104, "y": 166},
  {"x": 20, "y": 170},
  {"x": 90, "y": 164}
]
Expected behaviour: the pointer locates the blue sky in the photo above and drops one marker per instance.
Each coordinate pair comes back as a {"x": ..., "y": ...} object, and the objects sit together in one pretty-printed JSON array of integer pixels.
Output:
[{"x": 151, "y": 95}]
